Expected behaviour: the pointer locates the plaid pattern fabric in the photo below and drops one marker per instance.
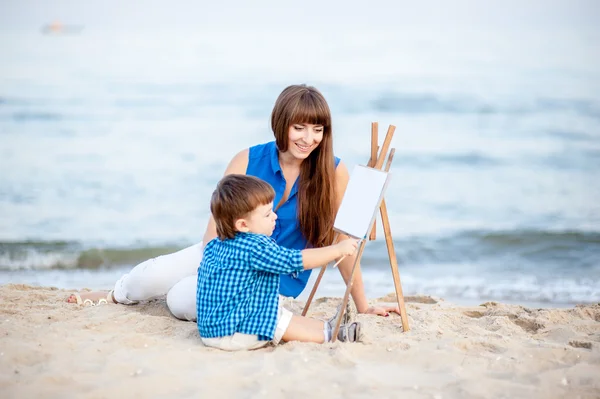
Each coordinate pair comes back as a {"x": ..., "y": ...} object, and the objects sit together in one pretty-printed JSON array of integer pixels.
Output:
[{"x": 238, "y": 285}]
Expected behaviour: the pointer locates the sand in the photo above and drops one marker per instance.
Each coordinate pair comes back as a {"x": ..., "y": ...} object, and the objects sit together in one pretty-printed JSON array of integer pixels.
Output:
[{"x": 54, "y": 349}]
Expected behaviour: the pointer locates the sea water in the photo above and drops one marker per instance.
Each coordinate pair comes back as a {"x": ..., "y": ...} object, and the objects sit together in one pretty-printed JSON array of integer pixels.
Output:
[{"x": 113, "y": 138}]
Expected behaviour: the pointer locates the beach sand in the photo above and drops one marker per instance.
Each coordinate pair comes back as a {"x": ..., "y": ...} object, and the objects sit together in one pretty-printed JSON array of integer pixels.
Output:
[{"x": 53, "y": 349}]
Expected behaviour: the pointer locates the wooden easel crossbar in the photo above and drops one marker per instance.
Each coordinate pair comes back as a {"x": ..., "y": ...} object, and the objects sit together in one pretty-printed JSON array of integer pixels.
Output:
[{"x": 376, "y": 161}]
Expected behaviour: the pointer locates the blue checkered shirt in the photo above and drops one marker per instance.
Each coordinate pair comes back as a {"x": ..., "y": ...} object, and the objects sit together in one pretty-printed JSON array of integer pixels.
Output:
[{"x": 238, "y": 285}]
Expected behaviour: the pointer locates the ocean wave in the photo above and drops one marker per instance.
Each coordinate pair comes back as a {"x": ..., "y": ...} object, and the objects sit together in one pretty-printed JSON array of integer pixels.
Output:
[
  {"x": 552, "y": 250},
  {"x": 431, "y": 103},
  {"x": 522, "y": 288},
  {"x": 523, "y": 266},
  {"x": 173, "y": 96},
  {"x": 568, "y": 135},
  {"x": 28, "y": 116},
  {"x": 44, "y": 255},
  {"x": 581, "y": 159},
  {"x": 455, "y": 284},
  {"x": 521, "y": 248},
  {"x": 441, "y": 160}
]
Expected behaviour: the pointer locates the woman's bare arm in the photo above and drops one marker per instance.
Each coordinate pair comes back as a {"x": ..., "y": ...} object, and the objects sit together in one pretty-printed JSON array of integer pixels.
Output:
[{"x": 237, "y": 165}]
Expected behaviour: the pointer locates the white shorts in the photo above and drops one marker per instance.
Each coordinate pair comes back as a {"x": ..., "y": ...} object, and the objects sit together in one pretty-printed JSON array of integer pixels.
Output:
[{"x": 239, "y": 341}]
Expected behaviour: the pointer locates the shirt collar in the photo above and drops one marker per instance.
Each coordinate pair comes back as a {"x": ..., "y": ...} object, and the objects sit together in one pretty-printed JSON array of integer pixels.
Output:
[{"x": 275, "y": 159}]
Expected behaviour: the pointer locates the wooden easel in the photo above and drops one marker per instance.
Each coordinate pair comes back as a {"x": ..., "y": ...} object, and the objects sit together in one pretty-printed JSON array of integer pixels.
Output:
[{"x": 376, "y": 161}]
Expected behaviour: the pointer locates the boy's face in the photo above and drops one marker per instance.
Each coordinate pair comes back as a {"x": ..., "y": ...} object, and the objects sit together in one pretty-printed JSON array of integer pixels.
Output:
[{"x": 260, "y": 221}]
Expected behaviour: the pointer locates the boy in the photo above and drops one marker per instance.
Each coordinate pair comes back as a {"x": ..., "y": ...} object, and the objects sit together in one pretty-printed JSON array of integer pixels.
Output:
[{"x": 238, "y": 279}]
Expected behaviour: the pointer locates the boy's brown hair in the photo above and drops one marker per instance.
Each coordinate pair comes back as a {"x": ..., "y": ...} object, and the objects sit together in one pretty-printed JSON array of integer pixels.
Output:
[{"x": 234, "y": 198}]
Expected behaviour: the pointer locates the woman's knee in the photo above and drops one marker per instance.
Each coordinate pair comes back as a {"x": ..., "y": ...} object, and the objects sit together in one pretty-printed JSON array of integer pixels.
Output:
[{"x": 181, "y": 299}]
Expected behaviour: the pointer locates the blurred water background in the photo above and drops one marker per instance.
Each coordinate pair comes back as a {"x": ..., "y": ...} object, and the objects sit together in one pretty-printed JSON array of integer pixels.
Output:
[{"x": 115, "y": 129}]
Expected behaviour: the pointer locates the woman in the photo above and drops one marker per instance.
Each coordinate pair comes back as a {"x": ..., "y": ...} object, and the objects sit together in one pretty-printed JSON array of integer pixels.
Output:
[{"x": 309, "y": 183}]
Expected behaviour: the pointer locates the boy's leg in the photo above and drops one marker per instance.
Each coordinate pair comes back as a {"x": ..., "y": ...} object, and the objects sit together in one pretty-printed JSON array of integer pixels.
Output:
[
  {"x": 305, "y": 329},
  {"x": 297, "y": 328},
  {"x": 291, "y": 327},
  {"x": 157, "y": 276},
  {"x": 309, "y": 322}
]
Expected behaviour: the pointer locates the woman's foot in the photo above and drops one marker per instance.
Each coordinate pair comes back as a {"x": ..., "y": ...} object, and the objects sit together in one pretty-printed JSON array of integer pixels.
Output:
[{"x": 92, "y": 298}]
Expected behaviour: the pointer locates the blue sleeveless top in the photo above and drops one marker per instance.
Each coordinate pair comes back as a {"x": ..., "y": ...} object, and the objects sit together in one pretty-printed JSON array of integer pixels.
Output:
[{"x": 263, "y": 162}]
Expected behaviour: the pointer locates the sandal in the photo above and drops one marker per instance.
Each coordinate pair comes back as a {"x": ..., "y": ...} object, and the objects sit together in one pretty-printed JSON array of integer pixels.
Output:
[
  {"x": 349, "y": 332},
  {"x": 76, "y": 298}
]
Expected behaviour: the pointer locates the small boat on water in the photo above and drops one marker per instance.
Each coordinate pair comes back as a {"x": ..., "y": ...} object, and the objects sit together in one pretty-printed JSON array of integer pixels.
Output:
[{"x": 58, "y": 28}]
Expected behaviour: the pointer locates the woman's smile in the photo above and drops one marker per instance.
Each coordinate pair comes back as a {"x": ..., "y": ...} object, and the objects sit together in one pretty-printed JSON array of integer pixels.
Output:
[{"x": 304, "y": 148}]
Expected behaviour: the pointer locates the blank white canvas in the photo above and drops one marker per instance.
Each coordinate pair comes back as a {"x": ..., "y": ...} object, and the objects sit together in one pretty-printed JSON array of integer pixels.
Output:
[{"x": 361, "y": 201}]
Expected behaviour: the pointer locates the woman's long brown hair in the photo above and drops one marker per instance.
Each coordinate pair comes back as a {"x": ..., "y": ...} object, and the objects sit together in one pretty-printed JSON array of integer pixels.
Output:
[{"x": 316, "y": 183}]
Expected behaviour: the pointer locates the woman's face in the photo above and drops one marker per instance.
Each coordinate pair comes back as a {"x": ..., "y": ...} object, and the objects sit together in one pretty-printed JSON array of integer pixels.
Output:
[{"x": 303, "y": 139}]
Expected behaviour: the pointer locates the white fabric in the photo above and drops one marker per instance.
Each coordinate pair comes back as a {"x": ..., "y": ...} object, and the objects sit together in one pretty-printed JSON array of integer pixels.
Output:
[
  {"x": 235, "y": 342},
  {"x": 284, "y": 318},
  {"x": 181, "y": 299},
  {"x": 176, "y": 275},
  {"x": 238, "y": 341},
  {"x": 173, "y": 274}
]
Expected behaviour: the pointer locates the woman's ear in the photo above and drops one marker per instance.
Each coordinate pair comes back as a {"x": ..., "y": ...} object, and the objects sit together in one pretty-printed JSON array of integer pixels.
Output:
[{"x": 241, "y": 225}]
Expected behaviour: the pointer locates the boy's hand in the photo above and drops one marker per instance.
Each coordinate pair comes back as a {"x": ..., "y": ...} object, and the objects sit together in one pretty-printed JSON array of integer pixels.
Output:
[{"x": 347, "y": 247}]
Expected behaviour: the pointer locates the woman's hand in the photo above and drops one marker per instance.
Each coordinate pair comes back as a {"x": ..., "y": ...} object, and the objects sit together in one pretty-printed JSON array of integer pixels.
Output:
[{"x": 382, "y": 310}]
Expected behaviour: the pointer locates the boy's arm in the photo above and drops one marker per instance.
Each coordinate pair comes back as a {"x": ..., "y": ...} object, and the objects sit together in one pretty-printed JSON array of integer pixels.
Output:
[
  {"x": 272, "y": 258},
  {"x": 269, "y": 257},
  {"x": 317, "y": 257}
]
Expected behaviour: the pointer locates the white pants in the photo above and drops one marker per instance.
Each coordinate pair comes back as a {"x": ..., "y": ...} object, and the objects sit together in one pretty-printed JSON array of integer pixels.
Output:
[{"x": 174, "y": 274}]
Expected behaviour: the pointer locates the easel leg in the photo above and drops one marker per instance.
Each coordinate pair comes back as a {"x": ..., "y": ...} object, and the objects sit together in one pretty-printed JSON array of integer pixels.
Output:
[
  {"x": 314, "y": 290},
  {"x": 317, "y": 282},
  {"x": 394, "y": 265},
  {"x": 372, "y": 162},
  {"x": 338, "y": 322}
]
